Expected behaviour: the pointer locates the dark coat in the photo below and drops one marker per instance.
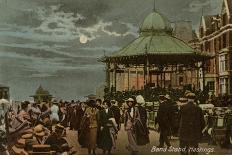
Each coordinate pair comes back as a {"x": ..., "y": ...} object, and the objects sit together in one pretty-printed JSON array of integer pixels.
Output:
[
  {"x": 191, "y": 122},
  {"x": 84, "y": 131},
  {"x": 163, "y": 116},
  {"x": 143, "y": 115},
  {"x": 116, "y": 113},
  {"x": 73, "y": 117},
  {"x": 140, "y": 127},
  {"x": 79, "y": 116},
  {"x": 104, "y": 140}
]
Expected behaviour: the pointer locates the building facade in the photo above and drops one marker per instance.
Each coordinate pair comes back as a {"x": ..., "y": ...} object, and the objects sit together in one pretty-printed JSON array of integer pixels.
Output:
[{"x": 215, "y": 37}]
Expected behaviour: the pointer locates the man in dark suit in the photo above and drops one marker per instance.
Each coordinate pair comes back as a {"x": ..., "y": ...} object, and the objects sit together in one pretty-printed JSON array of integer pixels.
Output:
[
  {"x": 164, "y": 121},
  {"x": 191, "y": 126}
]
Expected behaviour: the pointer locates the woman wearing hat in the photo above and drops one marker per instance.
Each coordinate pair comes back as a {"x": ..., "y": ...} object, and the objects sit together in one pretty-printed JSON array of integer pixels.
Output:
[
  {"x": 107, "y": 128},
  {"x": 141, "y": 130},
  {"x": 91, "y": 113},
  {"x": 128, "y": 124},
  {"x": 54, "y": 112}
]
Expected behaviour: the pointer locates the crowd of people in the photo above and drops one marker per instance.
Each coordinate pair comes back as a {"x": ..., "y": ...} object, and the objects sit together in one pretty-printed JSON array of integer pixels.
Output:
[{"x": 41, "y": 127}]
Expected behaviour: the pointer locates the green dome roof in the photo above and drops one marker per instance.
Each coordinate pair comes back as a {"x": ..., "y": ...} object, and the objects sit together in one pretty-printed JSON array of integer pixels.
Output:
[{"x": 155, "y": 22}]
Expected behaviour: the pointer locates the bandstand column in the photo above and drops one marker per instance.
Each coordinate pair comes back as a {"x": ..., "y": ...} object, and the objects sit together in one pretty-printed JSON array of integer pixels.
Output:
[
  {"x": 164, "y": 79},
  {"x": 144, "y": 75},
  {"x": 128, "y": 79},
  {"x": 171, "y": 73},
  {"x": 137, "y": 79}
]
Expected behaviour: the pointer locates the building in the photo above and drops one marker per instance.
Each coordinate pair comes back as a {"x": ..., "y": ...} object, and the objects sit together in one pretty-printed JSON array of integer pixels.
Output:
[
  {"x": 215, "y": 37},
  {"x": 42, "y": 95}
]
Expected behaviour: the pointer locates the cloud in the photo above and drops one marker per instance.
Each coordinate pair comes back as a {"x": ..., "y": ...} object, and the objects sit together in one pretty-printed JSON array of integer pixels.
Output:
[
  {"x": 203, "y": 5},
  {"x": 111, "y": 49}
]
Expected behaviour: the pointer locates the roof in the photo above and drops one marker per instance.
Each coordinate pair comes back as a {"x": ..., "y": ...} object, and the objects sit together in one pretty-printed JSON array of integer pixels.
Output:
[
  {"x": 41, "y": 91},
  {"x": 155, "y": 22},
  {"x": 208, "y": 22},
  {"x": 194, "y": 35},
  {"x": 155, "y": 43}
]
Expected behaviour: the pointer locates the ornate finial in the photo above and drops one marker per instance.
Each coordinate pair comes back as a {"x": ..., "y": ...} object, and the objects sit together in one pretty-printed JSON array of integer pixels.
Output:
[
  {"x": 154, "y": 7},
  {"x": 202, "y": 12}
]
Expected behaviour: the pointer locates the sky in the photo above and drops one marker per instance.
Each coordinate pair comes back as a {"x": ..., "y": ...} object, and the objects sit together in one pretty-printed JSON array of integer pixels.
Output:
[{"x": 40, "y": 40}]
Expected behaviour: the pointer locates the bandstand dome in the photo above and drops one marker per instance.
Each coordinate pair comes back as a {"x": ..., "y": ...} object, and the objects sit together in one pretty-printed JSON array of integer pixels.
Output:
[{"x": 155, "y": 21}]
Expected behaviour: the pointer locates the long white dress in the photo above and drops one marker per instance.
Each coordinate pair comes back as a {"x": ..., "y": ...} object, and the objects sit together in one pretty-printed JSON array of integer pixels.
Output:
[{"x": 54, "y": 113}]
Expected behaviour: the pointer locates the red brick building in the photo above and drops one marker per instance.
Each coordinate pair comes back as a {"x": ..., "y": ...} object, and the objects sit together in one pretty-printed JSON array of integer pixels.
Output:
[{"x": 215, "y": 37}]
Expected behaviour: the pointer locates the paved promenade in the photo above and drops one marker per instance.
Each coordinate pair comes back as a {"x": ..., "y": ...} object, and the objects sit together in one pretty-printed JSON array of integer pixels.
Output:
[{"x": 144, "y": 150}]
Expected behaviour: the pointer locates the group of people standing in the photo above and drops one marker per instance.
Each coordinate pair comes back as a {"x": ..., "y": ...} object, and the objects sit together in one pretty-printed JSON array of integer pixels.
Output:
[{"x": 101, "y": 123}]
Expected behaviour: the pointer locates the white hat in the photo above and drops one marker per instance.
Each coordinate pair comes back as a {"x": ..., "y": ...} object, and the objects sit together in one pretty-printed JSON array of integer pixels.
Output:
[
  {"x": 130, "y": 100},
  {"x": 140, "y": 100}
]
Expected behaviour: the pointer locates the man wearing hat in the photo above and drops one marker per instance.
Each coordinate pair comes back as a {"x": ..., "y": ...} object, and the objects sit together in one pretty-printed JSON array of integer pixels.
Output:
[
  {"x": 191, "y": 125},
  {"x": 56, "y": 140},
  {"x": 41, "y": 133},
  {"x": 163, "y": 119},
  {"x": 116, "y": 112},
  {"x": 23, "y": 114}
]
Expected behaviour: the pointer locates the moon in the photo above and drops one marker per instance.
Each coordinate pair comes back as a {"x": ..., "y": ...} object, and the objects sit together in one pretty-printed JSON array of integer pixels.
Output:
[{"x": 83, "y": 39}]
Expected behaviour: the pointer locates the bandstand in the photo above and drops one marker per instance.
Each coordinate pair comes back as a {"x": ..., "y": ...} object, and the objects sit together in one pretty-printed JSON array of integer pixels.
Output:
[{"x": 153, "y": 59}]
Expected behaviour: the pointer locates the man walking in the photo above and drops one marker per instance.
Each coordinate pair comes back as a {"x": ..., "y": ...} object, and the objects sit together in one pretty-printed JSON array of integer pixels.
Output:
[
  {"x": 191, "y": 126},
  {"x": 164, "y": 121}
]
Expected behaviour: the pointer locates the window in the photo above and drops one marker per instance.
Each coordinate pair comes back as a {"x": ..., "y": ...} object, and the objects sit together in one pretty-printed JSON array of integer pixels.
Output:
[
  {"x": 207, "y": 66},
  {"x": 224, "y": 85},
  {"x": 226, "y": 62},
  {"x": 211, "y": 85},
  {"x": 223, "y": 66}
]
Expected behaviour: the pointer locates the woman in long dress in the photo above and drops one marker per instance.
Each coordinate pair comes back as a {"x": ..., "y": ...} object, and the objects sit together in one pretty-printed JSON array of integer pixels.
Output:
[
  {"x": 91, "y": 113},
  {"x": 54, "y": 113},
  {"x": 107, "y": 127},
  {"x": 130, "y": 116}
]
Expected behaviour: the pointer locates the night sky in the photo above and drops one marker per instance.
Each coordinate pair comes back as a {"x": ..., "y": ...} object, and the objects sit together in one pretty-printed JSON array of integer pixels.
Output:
[{"x": 40, "y": 39}]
